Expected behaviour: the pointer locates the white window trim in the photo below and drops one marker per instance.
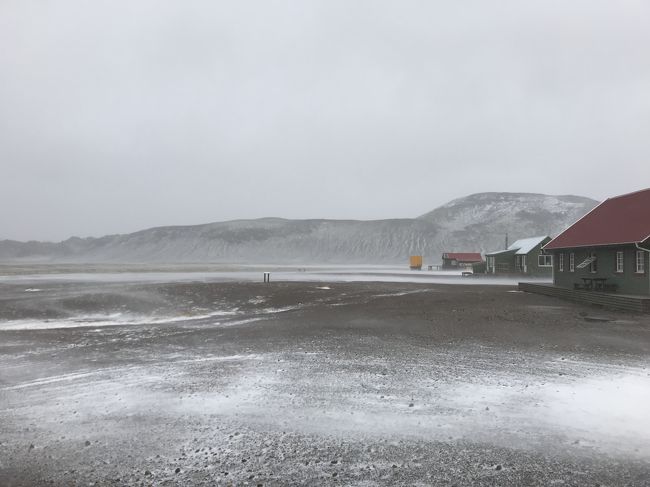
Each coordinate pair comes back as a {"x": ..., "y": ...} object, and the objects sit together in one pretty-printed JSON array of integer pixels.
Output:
[
  {"x": 640, "y": 263},
  {"x": 620, "y": 261},
  {"x": 593, "y": 267},
  {"x": 561, "y": 263},
  {"x": 572, "y": 262}
]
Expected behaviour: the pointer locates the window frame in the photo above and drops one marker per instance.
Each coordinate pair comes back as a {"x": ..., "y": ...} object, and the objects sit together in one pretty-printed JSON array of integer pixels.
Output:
[
  {"x": 620, "y": 262},
  {"x": 572, "y": 262},
  {"x": 560, "y": 264},
  {"x": 593, "y": 267},
  {"x": 639, "y": 253},
  {"x": 543, "y": 258}
]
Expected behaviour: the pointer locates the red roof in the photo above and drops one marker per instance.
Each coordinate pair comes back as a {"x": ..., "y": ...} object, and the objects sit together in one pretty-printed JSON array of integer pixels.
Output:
[
  {"x": 463, "y": 256},
  {"x": 620, "y": 220}
]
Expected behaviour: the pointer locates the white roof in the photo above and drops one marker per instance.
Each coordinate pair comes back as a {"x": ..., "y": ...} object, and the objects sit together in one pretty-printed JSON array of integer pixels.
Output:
[
  {"x": 499, "y": 252},
  {"x": 525, "y": 245}
]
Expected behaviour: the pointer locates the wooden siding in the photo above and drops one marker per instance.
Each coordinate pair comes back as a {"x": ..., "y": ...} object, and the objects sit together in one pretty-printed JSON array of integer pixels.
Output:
[
  {"x": 617, "y": 301},
  {"x": 627, "y": 282},
  {"x": 506, "y": 263}
]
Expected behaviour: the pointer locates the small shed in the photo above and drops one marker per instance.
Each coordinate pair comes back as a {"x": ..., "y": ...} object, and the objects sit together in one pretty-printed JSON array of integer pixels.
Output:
[
  {"x": 523, "y": 257},
  {"x": 460, "y": 260}
]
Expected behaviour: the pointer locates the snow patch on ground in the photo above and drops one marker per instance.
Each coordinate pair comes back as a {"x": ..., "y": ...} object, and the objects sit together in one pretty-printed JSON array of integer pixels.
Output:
[{"x": 101, "y": 320}]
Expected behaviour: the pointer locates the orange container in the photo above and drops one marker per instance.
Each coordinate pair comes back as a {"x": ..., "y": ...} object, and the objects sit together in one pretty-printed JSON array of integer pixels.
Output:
[{"x": 416, "y": 262}]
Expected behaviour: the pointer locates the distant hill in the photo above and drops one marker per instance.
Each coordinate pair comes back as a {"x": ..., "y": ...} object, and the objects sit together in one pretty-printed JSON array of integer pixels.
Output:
[
  {"x": 475, "y": 223},
  {"x": 479, "y": 222}
]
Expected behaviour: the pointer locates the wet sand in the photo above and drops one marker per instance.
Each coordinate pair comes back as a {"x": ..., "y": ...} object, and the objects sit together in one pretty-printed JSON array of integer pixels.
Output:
[{"x": 291, "y": 383}]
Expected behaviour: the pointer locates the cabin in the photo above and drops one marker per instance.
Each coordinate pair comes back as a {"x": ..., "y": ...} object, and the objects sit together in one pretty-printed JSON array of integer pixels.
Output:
[
  {"x": 608, "y": 249},
  {"x": 460, "y": 260},
  {"x": 523, "y": 257}
]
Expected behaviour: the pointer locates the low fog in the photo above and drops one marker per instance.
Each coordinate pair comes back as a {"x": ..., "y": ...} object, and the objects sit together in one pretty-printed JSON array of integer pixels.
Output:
[{"x": 118, "y": 116}]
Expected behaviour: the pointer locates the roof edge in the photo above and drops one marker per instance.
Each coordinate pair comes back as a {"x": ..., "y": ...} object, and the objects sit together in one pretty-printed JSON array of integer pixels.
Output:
[
  {"x": 628, "y": 194},
  {"x": 500, "y": 251},
  {"x": 575, "y": 223},
  {"x": 596, "y": 245}
]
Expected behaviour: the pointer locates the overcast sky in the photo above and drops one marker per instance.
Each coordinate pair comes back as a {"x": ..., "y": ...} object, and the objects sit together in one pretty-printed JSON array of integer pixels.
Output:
[{"x": 122, "y": 115}]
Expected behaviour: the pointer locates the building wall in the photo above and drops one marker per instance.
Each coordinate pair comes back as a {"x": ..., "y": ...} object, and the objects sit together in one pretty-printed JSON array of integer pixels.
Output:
[
  {"x": 455, "y": 264},
  {"x": 628, "y": 282},
  {"x": 449, "y": 263},
  {"x": 534, "y": 269},
  {"x": 506, "y": 263},
  {"x": 503, "y": 262}
]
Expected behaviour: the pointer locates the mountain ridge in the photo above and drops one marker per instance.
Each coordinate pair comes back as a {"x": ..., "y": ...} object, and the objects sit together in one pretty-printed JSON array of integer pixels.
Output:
[{"x": 474, "y": 223}]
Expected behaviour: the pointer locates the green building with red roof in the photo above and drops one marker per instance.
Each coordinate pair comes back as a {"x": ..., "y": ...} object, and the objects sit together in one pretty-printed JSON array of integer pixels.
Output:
[{"x": 608, "y": 249}]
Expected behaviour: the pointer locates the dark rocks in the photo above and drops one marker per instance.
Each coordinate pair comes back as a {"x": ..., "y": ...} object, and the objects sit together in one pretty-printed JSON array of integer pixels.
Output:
[
  {"x": 31, "y": 447},
  {"x": 87, "y": 443},
  {"x": 498, "y": 467},
  {"x": 178, "y": 470},
  {"x": 147, "y": 473}
]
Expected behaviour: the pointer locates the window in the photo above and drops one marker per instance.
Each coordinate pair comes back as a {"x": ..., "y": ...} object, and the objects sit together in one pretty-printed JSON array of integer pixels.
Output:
[
  {"x": 640, "y": 262},
  {"x": 593, "y": 266},
  {"x": 619, "y": 261},
  {"x": 544, "y": 260},
  {"x": 561, "y": 263},
  {"x": 572, "y": 262}
]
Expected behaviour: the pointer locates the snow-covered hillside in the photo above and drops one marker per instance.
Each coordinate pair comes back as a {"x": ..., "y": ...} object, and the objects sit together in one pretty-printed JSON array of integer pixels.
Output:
[
  {"x": 475, "y": 223},
  {"x": 481, "y": 221}
]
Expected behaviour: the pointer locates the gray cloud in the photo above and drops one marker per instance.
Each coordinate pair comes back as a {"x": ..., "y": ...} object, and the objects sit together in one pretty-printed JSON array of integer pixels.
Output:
[{"x": 115, "y": 116}]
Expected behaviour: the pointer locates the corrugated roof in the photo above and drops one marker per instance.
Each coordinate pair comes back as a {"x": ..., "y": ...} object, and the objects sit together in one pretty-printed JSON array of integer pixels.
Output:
[
  {"x": 522, "y": 246},
  {"x": 525, "y": 245},
  {"x": 463, "y": 256},
  {"x": 623, "y": 219},
  {"x": 504, "y": 251}
]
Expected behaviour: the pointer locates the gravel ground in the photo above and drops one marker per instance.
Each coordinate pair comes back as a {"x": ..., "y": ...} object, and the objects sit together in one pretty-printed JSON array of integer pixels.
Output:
[{"x": 200, "y": 383}]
